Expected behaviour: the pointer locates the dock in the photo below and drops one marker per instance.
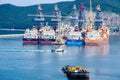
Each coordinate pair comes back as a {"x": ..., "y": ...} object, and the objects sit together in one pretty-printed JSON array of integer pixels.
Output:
[{"x": 11, "y": 35}]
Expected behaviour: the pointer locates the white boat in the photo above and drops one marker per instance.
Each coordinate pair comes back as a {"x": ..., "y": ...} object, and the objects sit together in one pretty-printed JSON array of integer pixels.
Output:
[{"x": 58, "y": 49}]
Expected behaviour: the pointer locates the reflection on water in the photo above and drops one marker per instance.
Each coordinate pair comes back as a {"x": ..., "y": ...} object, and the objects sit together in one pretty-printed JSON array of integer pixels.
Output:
[
  {"x": 37, "y": 62},
  {"x": 96, "y": 50},
  {"x": 78, "y": 78}
]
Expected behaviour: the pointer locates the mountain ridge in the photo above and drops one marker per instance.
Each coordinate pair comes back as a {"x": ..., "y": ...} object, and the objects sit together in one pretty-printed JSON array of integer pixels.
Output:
[{"x": 13, "y": 16}]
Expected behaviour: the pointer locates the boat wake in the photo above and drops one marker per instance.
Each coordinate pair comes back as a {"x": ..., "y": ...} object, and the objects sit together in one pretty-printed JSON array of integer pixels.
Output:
[
  {"x": 23, "y": 50},
  {"x": 11, "y": 35}
]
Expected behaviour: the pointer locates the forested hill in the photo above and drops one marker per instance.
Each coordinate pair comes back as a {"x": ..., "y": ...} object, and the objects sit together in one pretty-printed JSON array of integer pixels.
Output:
[
  {"x": 106, "y": 5},
  {"x": 12, "y": 16}
]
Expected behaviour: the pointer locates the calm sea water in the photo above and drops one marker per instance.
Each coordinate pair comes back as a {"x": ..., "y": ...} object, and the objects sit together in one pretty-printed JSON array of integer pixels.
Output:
[
  {"x": 11, "y": 31},
  {"x": 37, "y": 62}
]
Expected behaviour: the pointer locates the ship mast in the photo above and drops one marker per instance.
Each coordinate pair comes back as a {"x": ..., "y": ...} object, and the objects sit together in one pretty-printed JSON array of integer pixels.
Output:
[
  {"x": 56, "y": 18},
  {"x": 98, "y": 18},
  {"x": 81, "y": 17},
  {"x": 39, "y": 20},
  {"x": 74, "y": 16},
  {"x": 91, "y": 19}
]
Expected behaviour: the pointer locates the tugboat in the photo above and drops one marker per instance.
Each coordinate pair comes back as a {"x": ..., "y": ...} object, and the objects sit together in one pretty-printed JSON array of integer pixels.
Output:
[{"x": 75, "y": 72}]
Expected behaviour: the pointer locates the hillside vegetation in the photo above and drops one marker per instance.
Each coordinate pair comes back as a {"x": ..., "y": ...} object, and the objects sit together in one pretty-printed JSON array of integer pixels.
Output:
[{"x": 16, "y": 17}]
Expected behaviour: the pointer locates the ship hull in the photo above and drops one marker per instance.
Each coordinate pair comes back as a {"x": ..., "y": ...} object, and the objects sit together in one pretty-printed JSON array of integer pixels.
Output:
[
  {"x": 74, "y": 42},
  {"x": 96, "y": 42},
  {"x": 46, "y": 41},
  {"x": 30, "y": 41}
]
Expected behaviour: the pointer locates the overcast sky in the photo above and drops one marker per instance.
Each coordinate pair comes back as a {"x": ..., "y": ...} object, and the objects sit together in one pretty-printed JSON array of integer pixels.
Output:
[{"x": 29, "y": 2}]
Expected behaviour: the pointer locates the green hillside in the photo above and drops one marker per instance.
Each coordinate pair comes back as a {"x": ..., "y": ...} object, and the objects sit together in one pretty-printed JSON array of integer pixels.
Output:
[
  {"x": 106, "y": 5},
  {"x": 16, "y": 17}
]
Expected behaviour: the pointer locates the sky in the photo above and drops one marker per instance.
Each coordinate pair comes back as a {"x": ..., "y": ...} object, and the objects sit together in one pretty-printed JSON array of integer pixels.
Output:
[{"x": 29, "y": 2}]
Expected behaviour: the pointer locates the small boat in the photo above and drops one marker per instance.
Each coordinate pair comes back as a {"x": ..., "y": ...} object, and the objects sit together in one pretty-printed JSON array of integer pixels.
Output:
[
  {"x": 58, "y": 49},
  {"x": 75, "y": 72}
]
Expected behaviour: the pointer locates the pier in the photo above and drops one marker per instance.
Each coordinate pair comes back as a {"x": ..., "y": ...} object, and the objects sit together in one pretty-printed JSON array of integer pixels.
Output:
[
  {"x": 12, "y": 29},
  {"x": 11, "y": 35}
]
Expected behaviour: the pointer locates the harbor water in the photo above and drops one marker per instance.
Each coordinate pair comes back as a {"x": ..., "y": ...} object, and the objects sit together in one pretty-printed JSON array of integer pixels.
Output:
[{"x": 37, "y": 62}]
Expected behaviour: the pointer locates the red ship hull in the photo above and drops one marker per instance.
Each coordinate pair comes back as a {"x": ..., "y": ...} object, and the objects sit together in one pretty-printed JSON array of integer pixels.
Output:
[
  {"x": 46, "y": 42},
  {"x": 30, "y": 41}
]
